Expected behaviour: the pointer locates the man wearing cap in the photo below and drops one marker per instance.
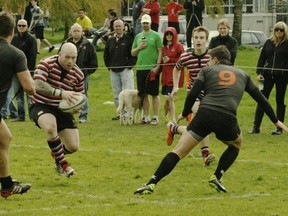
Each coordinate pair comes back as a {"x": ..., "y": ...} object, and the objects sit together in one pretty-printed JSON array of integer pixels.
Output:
[{"x": 147, "y": 47}]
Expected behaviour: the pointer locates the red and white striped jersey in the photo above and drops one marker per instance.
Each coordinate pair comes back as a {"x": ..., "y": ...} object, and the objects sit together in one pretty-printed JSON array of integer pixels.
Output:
[
  {"x": 49, "y": 70},
  {"x": 194, "y": 63}
]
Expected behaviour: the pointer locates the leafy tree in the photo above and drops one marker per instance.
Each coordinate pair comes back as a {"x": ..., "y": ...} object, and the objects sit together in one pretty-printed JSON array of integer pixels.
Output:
[
  {"x": 64, "y": 12},
  {"x": 237, "y": 24}
]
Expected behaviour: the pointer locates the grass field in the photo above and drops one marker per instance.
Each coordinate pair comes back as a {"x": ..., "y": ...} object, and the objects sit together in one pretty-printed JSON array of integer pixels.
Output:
[{"x": 115, "y": 160}]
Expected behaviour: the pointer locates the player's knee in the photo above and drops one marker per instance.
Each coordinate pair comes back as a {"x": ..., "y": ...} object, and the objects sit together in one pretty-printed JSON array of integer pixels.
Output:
[
  {"x": 50, "y": 129},
  {"x": 72, "y": 148}
]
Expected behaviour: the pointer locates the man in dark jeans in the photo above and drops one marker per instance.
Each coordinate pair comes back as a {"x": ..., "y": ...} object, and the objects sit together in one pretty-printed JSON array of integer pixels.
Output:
[{"x": 194, "y": 17}]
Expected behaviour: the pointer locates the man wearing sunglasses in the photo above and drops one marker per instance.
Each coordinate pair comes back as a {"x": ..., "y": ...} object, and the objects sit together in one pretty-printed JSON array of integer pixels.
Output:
[{"x": 24, "y": 41}]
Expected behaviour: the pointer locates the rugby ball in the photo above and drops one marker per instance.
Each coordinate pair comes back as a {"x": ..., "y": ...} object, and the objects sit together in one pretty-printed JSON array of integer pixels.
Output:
[{"x": 74, "y": 106}]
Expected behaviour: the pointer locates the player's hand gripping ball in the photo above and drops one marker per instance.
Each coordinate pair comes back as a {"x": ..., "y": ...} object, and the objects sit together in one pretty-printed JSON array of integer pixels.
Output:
[{"x": 73, "y": 106}]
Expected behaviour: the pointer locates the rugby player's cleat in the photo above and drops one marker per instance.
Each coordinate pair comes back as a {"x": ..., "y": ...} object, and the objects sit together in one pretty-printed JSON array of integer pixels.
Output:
[
  {"x": 209, "y": 159},
  {"x": 59, "y": 169},
  {"x": 16, "y": 188},
  {"x": 216, "y": 184},
  {"x": 68, "y": 170},
  {"x": 170, "y": 134},
  {"x": 145, "y": 189}
]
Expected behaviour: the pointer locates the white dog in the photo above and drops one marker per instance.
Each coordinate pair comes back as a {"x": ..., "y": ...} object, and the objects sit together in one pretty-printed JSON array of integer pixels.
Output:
[{"x": 129, "y": 103}]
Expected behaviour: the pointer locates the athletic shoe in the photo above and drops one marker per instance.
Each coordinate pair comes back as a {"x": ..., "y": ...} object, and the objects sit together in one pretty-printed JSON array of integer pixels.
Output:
[
  {"x": 144, "y": 121},
  {"x": 68, "y": 170},
  {"x": 209, "y": 159},
  {"x": 59, "y": 169},
  {"x": 145, "y": 189},
  {"x": 277, "y": 132},
  {"x": 254, "y": 131},
  {"x": 189, "y": 118},
  {"x": 51, "y": 48},
  {"x": 216, "y": 184},
  {"x": 82, "y": 120},
  {"x": 16, "y": 188},
  {"x": 170, "y": 135},
  {"x": 154, "y": 121},
  {"x": 116, "y": 118}
]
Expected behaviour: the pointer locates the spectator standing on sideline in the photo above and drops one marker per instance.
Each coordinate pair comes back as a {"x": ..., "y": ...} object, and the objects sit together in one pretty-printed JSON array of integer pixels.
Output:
[
  {"x": 173, "y": 9},
  {"x": 58, "y": 77},
  {"x": 171, "y": 52},
  {"x": 86, "y": 60},
  {"x": 27, "y": 13},
  {"x": 12, "y": 62},
  {"x": 225, "y": 39},
  {"x": 85, "y": 22},
  {"x": 103, "y": 30},
  {"x": 194, "y": 17},
  {"x": 194, "y": 61},
  {"x": 224, "y": 87},
  {"x": 152, "y": 8},
  {"x": 119, "y": 61},
  {"x": 147, "y": 46},
  {"x": 272, "y": 68},
  {"x": 38, "y": 25},
  {"x": 24, "y": 41},
  {"x": 46, "y": 16},
  {"x": 136, "y": 15}
]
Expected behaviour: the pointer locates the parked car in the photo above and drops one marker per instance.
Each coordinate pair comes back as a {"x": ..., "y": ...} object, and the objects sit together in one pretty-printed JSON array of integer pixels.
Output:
[
  {"x": 163, "y": 24},
  {"x": 248, "y": 37}
]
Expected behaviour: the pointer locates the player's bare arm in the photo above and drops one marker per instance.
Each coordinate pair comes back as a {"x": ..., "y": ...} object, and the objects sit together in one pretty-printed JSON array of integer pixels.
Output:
[
  {"x": 26, "y": 82},
  {"x": 176, "y": 77},
  {"x": 46, "y": 89}
]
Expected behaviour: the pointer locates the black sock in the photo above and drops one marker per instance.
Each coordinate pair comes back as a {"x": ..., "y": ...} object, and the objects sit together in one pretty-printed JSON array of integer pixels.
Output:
[
  {"x": 6, "y": 182},
  {"x": 226, "y": 160},
  {"x": 166, "y": 166}
]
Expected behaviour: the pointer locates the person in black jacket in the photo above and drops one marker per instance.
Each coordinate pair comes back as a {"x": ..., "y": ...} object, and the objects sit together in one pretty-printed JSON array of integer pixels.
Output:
[
  {"x": 26, "y": 42},
  {"x": 86, "y": 60},
  {"x": 118, "y": 59},
  {"x": 27, "y": 13},
  {"x": 225, "y": 39},
  {"x": 194, "y": 17},
  {"x": 272, "y": 67}
]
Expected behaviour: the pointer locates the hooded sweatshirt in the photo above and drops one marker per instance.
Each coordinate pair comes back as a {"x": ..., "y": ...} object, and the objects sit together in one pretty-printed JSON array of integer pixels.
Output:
[{"x": 173, "y": 51}]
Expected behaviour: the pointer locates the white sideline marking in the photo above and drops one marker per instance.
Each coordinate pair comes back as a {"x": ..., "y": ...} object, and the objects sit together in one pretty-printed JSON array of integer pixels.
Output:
[{"x": 130, "y": 200}]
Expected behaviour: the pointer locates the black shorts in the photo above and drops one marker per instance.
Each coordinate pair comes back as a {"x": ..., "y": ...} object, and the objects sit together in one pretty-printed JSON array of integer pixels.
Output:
[
  {"x": 145, "y": 86},
  {"x": 166, "y": 90},
  {"x": 64, "y": 120},
  {"x": 39, "y": 32},
  {"x": 206, "y": 121}
]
